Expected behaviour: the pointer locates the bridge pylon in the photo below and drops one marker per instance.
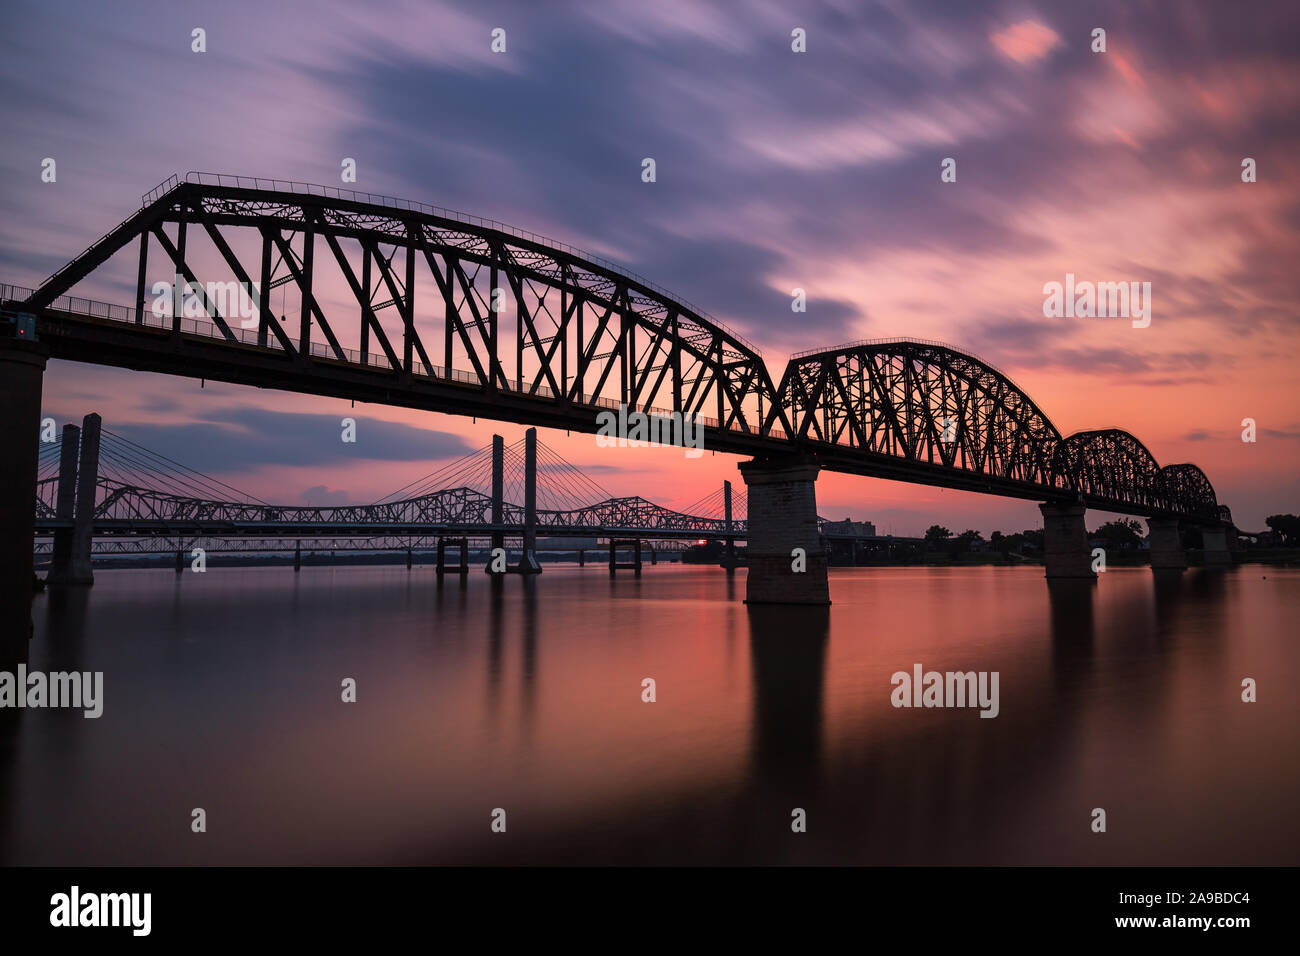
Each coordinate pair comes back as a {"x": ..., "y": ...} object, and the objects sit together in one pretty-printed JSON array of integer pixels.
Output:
[
  {"x": 498, "y": 494},
  {"x": 83, "y": 530},
  {"x": 729, "y": 543},
  {"x": 528, "y": 558},
  {"x": 64, "y": 508},
  {"x": 782, "y": 522}
]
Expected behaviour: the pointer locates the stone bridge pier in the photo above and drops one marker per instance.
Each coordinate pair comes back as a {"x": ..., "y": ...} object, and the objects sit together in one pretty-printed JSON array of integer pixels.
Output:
[
  {"x": 1215, "y": 547},
  {"x": 1065, "y": 541},
  {"x": 1167, "y": 552},
  {"x": 782, "y": 518}
]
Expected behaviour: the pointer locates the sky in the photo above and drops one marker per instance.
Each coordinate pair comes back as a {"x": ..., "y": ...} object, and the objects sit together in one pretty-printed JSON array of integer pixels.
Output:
[{"x": 774, "y": 170}]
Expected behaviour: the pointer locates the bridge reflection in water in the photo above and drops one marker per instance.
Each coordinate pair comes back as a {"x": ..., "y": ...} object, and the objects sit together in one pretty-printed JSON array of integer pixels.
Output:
[{"x": 525, "y": 695}]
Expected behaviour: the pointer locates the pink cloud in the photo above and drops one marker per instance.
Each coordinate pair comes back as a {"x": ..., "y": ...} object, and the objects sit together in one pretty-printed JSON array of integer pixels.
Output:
[{"x": 1026, "y": 41}]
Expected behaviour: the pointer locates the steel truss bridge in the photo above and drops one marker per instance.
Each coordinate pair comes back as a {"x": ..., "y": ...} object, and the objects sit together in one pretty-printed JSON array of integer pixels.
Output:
[
  {"x": 146, "y": 503},
  {"x": 432, "y": 309}
]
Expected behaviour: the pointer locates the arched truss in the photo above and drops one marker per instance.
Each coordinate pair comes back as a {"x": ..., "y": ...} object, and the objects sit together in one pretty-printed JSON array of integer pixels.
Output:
[
  {"x": 1112, "y": 465},
  {"x": 570, "y": 336},
  {"x": 420, "y": 286},
  {"x": 1187, "y": 490},
  {"x": 923, "y": 402}
]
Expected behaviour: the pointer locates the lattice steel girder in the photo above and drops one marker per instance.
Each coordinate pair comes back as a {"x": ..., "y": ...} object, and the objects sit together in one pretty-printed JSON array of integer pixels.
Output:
[
  {"x": 907, "y": 410},
  {"x": 643, "y": 353},
  {"x": 921, "y": 403}
]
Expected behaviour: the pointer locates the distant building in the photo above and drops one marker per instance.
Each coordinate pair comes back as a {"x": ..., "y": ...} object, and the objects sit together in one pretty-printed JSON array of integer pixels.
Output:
[{"x": 849, "y": 529}]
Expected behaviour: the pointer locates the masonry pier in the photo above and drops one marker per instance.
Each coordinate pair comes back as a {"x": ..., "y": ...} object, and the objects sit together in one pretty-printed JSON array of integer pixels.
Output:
[
  {"x": 1215, "y": 551},
  {"x": 1166, "y": 546},
  {"x": 1065, "y": 541},
  {"x": 782, "y": 517}
]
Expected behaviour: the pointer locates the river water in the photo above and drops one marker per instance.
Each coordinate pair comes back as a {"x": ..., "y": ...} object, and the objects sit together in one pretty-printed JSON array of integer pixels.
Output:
[{"x": 222, "y": 691}]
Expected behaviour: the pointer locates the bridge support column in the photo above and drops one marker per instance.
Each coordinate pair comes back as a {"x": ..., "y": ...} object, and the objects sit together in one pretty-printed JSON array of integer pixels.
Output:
[
  {"x": 1166, "y": 547},
  {"x": 22, "y": 369},
  {"x": 528, "y": 560},
  {"x": 631, "y": 544},
  {"x": 65, "y": 506},
  {"x": 783, "y": 516},
  {"x": 410, "y": 557},
  {"x": 297, "y": 557},
  {"x": 83, "y": 531},
  {"x": 729, "y": 548},
  {"x": 180, "y": 562},
  {"x": 582, "y": 558},
  {"x": 498, "y": 495},
  {"x": 654, "y": 555},
  {"x": 1065, "y": 541},
  {"x": 1215, "y": 544},
  {"x": 463, "y": 545}
]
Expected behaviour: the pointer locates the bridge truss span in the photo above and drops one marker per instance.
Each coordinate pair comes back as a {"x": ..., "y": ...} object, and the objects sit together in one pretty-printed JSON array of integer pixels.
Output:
[
  {"x": 399, "y": 303},
  {"x": 921, "y": 402},
  {"x": 428, "y": 297}
]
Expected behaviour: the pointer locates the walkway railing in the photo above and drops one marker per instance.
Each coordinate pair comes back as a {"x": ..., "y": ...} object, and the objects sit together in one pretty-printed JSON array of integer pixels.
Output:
[{"x": 192, "y": 326}]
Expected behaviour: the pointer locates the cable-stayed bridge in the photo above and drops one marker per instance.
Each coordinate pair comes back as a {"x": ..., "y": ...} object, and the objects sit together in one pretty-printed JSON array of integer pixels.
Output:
[{"x": 145, "y": 502}]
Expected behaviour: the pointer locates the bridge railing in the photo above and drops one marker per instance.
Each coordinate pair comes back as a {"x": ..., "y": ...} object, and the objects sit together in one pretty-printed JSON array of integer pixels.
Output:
[
  {"x": 193, "y": 326},
  {"x": 70, "y": 303},
  {"x": 411, "y": 205}
]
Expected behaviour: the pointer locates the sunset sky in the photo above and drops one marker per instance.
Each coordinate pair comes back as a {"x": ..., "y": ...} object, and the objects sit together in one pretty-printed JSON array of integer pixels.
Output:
[{"x": 775, "y": 170}]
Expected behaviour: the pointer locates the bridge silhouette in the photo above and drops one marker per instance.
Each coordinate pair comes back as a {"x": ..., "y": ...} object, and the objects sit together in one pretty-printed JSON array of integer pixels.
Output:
[
  {"x": 142, "y": 496},
  {"x": 146, "y": 503},
  {"x": 535, "y": 332}
]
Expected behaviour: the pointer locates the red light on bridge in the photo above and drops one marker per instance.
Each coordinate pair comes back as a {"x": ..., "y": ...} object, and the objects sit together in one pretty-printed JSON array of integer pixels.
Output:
[{"x": 701, "y": 541}]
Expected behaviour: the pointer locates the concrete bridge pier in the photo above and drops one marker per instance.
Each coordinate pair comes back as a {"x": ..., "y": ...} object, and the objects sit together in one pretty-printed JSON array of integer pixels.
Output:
[
  {"x": 632, "y": 544},
  {"x": 582, "y": 558},
  {"x": 462, "y": 547},
  {"x": 64, "y": 507},
  {"x": 180, "y": 562},
  {"x": 528, "y": 559},
  {"x": 1215, "y": 544},
  {"x": 1166, "y": 547},
  {"x": 782, "y": 517},
  {"x": 297, "y": 557},
  {"x": 22, "y": 370},
  {"x": 1065, "y": 541}
]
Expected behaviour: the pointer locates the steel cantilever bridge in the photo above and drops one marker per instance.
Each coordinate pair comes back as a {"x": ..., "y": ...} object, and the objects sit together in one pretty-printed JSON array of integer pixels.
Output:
[{"x": 565, "y": 336}]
